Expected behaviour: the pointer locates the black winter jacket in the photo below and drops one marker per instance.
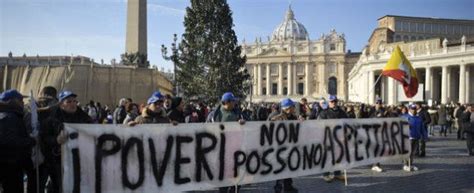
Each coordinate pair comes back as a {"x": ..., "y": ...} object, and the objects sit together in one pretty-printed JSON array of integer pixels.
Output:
[
  {"x": 15, "y": 144},
  {"x": 52, "y": 126},
  {"x": 332, "y": 113}
]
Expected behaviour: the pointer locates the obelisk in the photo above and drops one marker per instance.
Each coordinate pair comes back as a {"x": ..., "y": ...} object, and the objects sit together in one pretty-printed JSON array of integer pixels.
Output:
[{"x": 136, "y": 41}]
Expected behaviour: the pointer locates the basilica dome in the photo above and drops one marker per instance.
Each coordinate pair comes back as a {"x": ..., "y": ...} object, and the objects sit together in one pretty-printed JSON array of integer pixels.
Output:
[{"x": 290, "y": 29}]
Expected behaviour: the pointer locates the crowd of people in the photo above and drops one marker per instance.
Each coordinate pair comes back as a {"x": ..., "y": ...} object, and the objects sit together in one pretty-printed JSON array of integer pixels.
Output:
[{"x": 16, "y": 141}]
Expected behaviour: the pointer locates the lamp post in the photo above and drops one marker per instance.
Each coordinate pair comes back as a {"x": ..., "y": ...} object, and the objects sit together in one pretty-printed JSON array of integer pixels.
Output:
[{"x": 173, "y": 58}]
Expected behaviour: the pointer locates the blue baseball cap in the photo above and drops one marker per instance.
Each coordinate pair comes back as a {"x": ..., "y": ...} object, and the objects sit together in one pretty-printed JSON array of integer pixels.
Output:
[
  {"x": 332, "y": 98},
  {"x": 287, "y": 103},
  {"x": 412, "y": 106},
  {"x": 228, "y": 96},
  {"x": 158, "y": 94},
  {"x": 11, "y": 94},
  {"x": 155, "y": 97},
  {"x": 65, "y": 94}
]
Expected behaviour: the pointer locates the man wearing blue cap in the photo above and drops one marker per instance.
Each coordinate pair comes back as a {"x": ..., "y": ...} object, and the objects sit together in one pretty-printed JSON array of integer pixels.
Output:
[
  {"x": 15, "y": 144},
  {"x": 154, "y": 111},
  {"x": 52, "y": 134},
  {"x": 226, "y": 112},
  {"x": 333, "y": 112},
  {"x": 287, "y": 113}
]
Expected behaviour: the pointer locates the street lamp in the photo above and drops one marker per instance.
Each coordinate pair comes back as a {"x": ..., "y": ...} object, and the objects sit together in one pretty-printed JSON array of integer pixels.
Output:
[{"x": 173, "y": 58}]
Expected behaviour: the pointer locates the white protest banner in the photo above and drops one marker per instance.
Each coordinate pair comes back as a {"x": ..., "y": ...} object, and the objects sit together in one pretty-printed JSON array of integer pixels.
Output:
[{"x": 167, "y": 158}]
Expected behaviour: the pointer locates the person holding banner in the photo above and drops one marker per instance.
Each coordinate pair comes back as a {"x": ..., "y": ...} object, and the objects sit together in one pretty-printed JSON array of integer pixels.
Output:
[
  {"x": 154, "y": 111},
  {"x": 333, "y": 112},
  {"x": 287, "y": 113},
  {"x": 415, "y": 135},
  {"x": 226, "y": 112},
  {"x": 15, "y": 144},
  {"x": 53, "y": 135}
]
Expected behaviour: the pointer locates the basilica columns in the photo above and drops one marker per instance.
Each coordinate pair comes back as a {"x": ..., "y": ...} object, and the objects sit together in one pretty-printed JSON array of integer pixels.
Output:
[
  {"x": 269, "y": 80},
  {"x": 290, "y": 78},
  {"x": 259, "y": 80},
  {"x": 255, "y": 79},
  {"x": 444, "y": 85},
  {"x": 392, "y": 91},
  {"x": 321, "y": 78},
  {"x": 462, "y": 83},
  {"x": 371, "y": 86},
  {"x": 307, "y": 82},
  {"x": 280, "y": 79},
  {"x": 468, "y": 82},
  {"x": 428, "y": 84}
]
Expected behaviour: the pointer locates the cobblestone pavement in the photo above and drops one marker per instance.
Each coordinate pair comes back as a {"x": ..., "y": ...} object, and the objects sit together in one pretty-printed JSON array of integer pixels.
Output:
[{"x": 446, "y": 168}]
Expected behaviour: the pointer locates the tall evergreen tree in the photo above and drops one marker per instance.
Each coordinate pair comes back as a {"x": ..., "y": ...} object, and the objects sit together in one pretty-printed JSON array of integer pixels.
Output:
[{"x": 208, "y": 59}]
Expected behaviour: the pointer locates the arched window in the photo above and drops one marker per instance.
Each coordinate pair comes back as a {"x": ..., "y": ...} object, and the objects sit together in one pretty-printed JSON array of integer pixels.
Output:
[{"x": 332, "y": 85}]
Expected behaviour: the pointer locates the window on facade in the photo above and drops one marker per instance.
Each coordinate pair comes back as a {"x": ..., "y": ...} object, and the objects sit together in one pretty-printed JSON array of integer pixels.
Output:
[
  {"x": 413, "y": 38},
  {"x": 428, "y": 28},
  {"x": 456, "y": 30},
  {"x": 465, "y": 30},
  {"x": 300, "y": 88},
  {"x": 435, "y": 28},
  {"x": 332, "y": 47},
  {"x": 442, "y": 29},
  {"x": 300, "y": 69},
  {"x": 285, "y": 90},
  {"x": 398, "y": 26},
  {"x": 332, "y": 86},
  {"x": 412, "y": 27},
  {"x": 398, "y": 38},
  {"x": 264, "y": 90},
  {"x": 274, "y": 69},
  {"x": 332, "y": 68},
  {"x": 274, "y": 89},
  {"x": 405, "y": 26},
  {"x": 452, "y": 29},
  {"x": 419, "y": 27}
]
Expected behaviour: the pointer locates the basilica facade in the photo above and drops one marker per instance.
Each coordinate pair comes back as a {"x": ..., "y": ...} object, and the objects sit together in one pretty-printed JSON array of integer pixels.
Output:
[{"x": 291, "y": 65}]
